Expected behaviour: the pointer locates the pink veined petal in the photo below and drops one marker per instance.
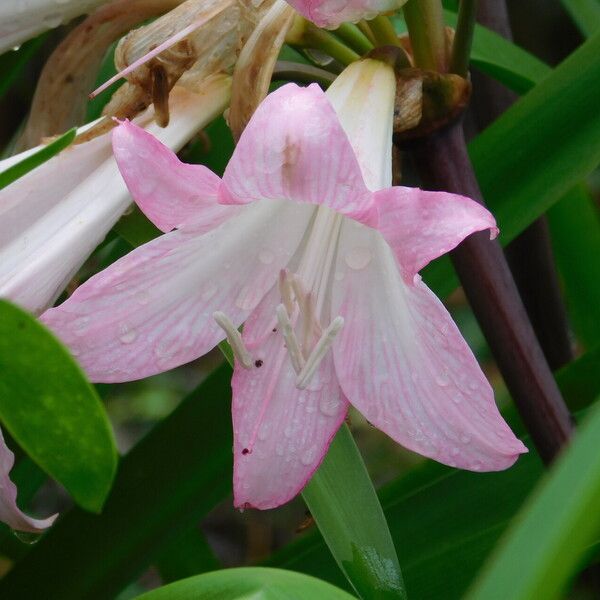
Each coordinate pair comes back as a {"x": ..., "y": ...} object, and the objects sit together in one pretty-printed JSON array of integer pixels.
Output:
[
  {"x": 295, "y": 148},
  {"x": 152, "y": 310},
  {"x": 421, "y": 225},
  {"x": 9, "y": 511},
  {"x": 403, "y": 363},
  {"x": 169, "y": 192},
  {"x": 281, "y": 433},
  {"x": 332, "y": 13}
]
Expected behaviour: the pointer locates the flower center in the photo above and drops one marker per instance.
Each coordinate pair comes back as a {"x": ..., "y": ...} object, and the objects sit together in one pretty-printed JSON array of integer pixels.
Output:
[{"x": 304, "y": 304}]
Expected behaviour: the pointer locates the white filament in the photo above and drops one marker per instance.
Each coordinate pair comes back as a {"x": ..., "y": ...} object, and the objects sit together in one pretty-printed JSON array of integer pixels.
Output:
[{"x": 235, "y": 339}]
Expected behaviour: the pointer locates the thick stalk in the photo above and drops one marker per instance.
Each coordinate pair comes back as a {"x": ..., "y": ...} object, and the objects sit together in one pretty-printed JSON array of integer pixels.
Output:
[
  {"x": 443, "y": 164},
  {"x": 425, "y": 21},
  {"x": 529, "y": 255},
  {"x": 384, "y": 31},
  {"x": 354, "y": 38}
]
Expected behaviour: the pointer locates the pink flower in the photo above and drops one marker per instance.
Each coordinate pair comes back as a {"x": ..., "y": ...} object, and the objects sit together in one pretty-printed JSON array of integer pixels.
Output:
[
  {"x": 332, "y": 13},
  {"x": 304, "y": 241}
]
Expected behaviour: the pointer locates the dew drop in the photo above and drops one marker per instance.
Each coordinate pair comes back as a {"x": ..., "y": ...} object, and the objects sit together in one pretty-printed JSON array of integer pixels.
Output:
[
  {"x": 127, "y": 335},
  {"x": 476, "y": 466},
  {"x": 455, "y": 451},
  {"x": 208, "y": 292},
  {"x": 266, "y": 257},
  {"x": 309, "y": 456},
  {"x": 288, "y": 431},
  {"x": 142, "y": 297},
  {"x": 473, "y": 385},
  {"x": 358, "y": 258},
  {"x": 27, "y": 537},
  {"x": 441, "y": 379},
  {"x": 80, "y": 325},
  {"x": 465, "y": 439},
  {"x": 329, "y": 407}
]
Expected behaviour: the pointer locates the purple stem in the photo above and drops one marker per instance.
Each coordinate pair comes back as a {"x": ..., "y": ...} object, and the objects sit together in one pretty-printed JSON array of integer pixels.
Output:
[
  {"x": 443, "y": 164},
  {"x": 530, "y": 254}
]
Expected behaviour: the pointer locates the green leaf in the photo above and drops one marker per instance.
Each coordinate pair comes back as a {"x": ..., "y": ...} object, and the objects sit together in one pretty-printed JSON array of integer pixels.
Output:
[
  {"x": 190, "y": 554},
  {"x": 164, "y": 486},
  {"x": 555, "y": 528},
  {"x": 585, "y": 13},
  {"x": 52, "y": 411},
  {"x": 247, "y": 583},
  {"x": 575, "y": 231},
  {"x": 343, "y": 502},
  {"x": 13, "y": 62},
  {"x": 537, "y": 150},
  {"x": 36, "y": 159},
  {"x": 447, "y": 520},
  {"x": 506, "y": 62}
]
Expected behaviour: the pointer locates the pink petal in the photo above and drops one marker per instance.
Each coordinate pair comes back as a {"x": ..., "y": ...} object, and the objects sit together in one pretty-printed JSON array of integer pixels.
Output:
[
  {"x": 170, "y": 193},
  {"x": 332, "y": 13},
  {"x": 9, "y": 511},
  {"x": 403, "y": 363},
  {"x": 420, "y": 225},
  {"x": 281, "y": 433},
  {"x": 295, "y": 148},
  {"x": 152, "y": 310}
]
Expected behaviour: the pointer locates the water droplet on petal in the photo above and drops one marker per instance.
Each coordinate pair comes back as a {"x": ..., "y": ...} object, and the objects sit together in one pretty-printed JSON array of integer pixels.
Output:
[
  {"x": 142, "y": 297},
  {"x": 329, "y": 407},
  {"x": 127, "y": 335},
  {"x": 27, "y": 537},
  {"x": 358, "y": 258},
  {"x": 455, "y": 451},
  {"x": 442, "y": 379},
  {"x": 308, "y": 457},
  {"x": 288, "y": 431},
  {"x": 266, "y": 257},
  {"x": 465, "y": 439},
  {"x": 208, "y": 292}
]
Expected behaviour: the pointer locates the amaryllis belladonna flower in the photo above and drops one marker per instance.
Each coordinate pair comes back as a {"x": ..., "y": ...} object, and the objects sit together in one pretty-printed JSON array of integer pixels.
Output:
[
  {"x": 304, "y": 241},
  {"x": 332, "y": 13}
]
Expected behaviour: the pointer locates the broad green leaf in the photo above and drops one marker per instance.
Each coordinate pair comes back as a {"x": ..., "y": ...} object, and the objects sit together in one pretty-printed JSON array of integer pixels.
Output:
[
  {"x": 343, "y": 502},
  {"x": 585, "y": 13},
  {"x": 52, "y": 411},
  {"x": 544, "y": 144},
  {"x": 36, "y": 159},
  {"x": 503, "y": 60},
  {"x": 554, "y": 529},
  {"x": 164, "y": 486},
  {"x": 575, "y": 229},
  {"x": 445, "y": 520},
  {"x": 247, "y": 583},
  {"x": 537, "y": 150}
]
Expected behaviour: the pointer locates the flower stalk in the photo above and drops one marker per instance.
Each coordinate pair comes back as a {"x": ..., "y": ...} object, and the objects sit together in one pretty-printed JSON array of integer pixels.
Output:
[
  {"x": 443, "y": 163},
  {"x": 463, "y": 39},
  {"x": 425, "y": 21},
  {"x": 530, "y": 254}
]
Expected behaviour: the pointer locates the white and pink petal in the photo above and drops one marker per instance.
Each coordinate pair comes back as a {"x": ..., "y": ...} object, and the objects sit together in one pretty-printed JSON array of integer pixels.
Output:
[
  {"x": 294, "y": 148},
  {"x": 403, "y": 363},
  {"x": 421, "y": 226},
  {"x": 10, "y": 513},
  {"x": 172, "y": 194},
  {"x": 153, "y": 309},
  {"x": 281, "y": 433}
]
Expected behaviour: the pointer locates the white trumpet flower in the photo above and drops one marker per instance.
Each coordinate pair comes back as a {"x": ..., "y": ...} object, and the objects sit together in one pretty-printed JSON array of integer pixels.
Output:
[
  {"x": 53, "y": 218},
  {"x": 20, "y": 20}
]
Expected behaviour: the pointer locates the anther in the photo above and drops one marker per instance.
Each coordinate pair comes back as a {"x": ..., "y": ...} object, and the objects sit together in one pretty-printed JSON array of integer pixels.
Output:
[
  {"x": 291, "y": 341},
  {"x": 235, "y": 339},
  {"x": 318, "y": 353}
]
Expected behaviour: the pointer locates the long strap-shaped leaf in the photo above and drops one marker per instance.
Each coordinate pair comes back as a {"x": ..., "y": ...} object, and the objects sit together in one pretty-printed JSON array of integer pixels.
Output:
[
  {"x": 343, "y": 502},
  {"x": 555, "y": 528}
]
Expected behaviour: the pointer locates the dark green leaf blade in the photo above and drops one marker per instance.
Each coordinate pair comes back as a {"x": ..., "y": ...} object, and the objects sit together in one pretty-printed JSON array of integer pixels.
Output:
[
  {"x": 164, "y": 486},
  {"x": 343, "y": 502},
  {"x": 36, "y": 159},
  {"x": 555, "y": 528},
  {"x": 52, "y": 411},
  {"x": 585, "y": 13},
  {"x": 246, "y": 583}
]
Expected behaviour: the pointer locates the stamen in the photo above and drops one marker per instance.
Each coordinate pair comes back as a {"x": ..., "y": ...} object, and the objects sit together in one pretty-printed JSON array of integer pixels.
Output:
[
  {"x": 285, "y": 291},
  {"x": 319, "y": 352},
  {"x": 235, "y": 339},
  {"x": 291, "y": 341},
  {"x": 160, "y": 48}
]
